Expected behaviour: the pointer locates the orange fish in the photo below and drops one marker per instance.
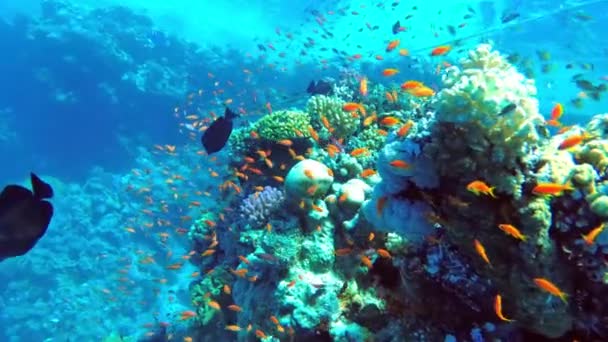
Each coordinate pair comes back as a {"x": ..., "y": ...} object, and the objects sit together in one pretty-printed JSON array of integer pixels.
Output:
[
  {"x": 392, "y": 45},
  {"x": 404, "y": 52},
  {"x": 441, "y": 50},
  {"x": 367, "y": 172},
  {"x": 389, "y": 121},
  {"x": 363, "y": 86},
  {"x": 551, "y": 189},
  {"x": 233, "y": 327},
  {"x": 548, "y": 286},
  {"x": 260, "y": 334},
  {"x": 351, "y": 106},
  {"x": 408, "y": 85},
  {"x": 481, "y": 251},
  {"x": 498, "y": 309},
  {"x": 366, "y": 261},
  {"x": 383, "y": 253},
  {"x": 573, "y": 140},
  {"x": 274, "y": 320},
  {"x": 557, "y": 112},
  {"x": 359, "y": 151},
  {"x": 389, "y": 72},
  {"x": 343, "y": 251},
  {"x": 214, "y": 305},
  {"x": 590, "y": 237},
  {"x": 185, "y": 315},
  {"x": 422, "y": 92},
  {"x": 234, "y": 307},
  {"x": 227, "y": 289},
  {"x": 400, "y": 164},
  {"x": 371, "y": 236},
  {"x": 479, "y": 187},
  {"x": 208, "y": 252},
  {"x": 405, "y": 128},
  {"x": 513, "y": 231},
  {"x": 380, "y": 204}
]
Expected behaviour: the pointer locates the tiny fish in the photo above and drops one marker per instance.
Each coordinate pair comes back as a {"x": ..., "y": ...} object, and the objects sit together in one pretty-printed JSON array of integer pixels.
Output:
[{"x": 507, "y": 109}]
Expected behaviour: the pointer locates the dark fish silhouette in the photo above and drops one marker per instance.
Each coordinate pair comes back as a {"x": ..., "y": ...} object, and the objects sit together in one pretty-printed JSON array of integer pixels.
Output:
[
  {"x": 396, "y": 27},
  {"x": 24, "y": 217},
  {"x": 507, "y": 109},
  {"x": 319, "y": 88},
  {"x": 508, "y": 17},
  {"x": 216, "y": 136}
]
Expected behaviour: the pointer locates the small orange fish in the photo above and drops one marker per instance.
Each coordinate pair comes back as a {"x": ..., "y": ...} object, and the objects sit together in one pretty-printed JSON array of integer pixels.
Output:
[
  {"x": 233, "y": 327},
  {"x": 482, "y": 251},
  {"x": 366, "y": 261},
  {"x": 214, "y": 305},
  {"x": 363, "y": 86},
  {"x": 404, "y": 52},
  {"x": 383, "y": 253},
  {"x": 392, "y": 45},
  {"x": 285, "y": 142},
  {"x": 359, "y": 151},
  {"x": 441, "y": 50},
  {"x": 186, "y": 315},
  {"x": 548, "y": 286},
  {"x": 389, "y": 121},
  {"x": 551, "y": 189},
  {"x": 343, "y": 251},
  {"x": 573, "y": 140},
  {"x": 371, "y": 236},
  {"x": 405, "y": 128},
  {"x": 557, "y": 112},
  {"x": 208, "y": 252},
  {"x": 380, "y": 204},
  {"x": 498, "y": 309},
  {"x": 479, "y": 187},
  {"x": 274, "y": 320},
  {"x": 590, "y": 237},
  {"x": 400, "y": 164},
  {"x": 409, "y": 85},
  {"x": 513, "y": 231},
  {"x": 235, "y": 308},
  {"x": 367, "y": 173},
  {"x": 351, "y": 107},
  {"x": 227, "y": 289},
  {"x": 422, "y": 92},
  {"x": 388, "y": 72},
  {"x": 260, "y": 334}
]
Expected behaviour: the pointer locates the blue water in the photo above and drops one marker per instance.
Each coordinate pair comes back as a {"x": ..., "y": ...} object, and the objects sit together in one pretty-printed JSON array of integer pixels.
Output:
[{"x": 87, "y": 88}]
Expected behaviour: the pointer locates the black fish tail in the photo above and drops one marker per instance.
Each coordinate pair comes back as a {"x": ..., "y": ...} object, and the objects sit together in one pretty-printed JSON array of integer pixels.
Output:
[{"x": 40, "y": 188}]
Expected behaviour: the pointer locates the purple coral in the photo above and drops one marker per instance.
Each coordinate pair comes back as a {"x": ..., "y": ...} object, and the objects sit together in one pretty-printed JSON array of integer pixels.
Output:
[{"x": 258, "y": 206}]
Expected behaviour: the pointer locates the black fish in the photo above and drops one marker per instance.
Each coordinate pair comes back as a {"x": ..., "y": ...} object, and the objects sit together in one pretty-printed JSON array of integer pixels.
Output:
[
  {"x": 507, "y": 17},
  {"x": 216, "y": 136},
  {"x": 319, "y": 88},
  {"x": 24, "y": 216},
  {"x": 508, "y": 109},
  {"x": 396, "y": 27}
]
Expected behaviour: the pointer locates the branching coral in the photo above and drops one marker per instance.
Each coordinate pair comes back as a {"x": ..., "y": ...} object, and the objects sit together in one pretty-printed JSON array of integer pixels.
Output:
[{"x": 322, "y": 108}]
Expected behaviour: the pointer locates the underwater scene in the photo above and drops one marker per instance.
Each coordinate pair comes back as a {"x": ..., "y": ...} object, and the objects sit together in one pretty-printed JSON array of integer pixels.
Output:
[{"x": 305, "y": 170}]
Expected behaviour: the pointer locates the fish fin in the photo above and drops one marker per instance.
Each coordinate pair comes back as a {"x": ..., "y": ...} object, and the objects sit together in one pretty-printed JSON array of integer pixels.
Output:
[
  {"x": 229, "y": 114},
  {"x": 311, "y": 87},
  {"x": 40, "y": 188}
]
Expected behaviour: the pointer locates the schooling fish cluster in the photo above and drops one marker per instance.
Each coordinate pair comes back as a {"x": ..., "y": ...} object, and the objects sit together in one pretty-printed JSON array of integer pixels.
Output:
[{"x": 454, "y": 215}]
